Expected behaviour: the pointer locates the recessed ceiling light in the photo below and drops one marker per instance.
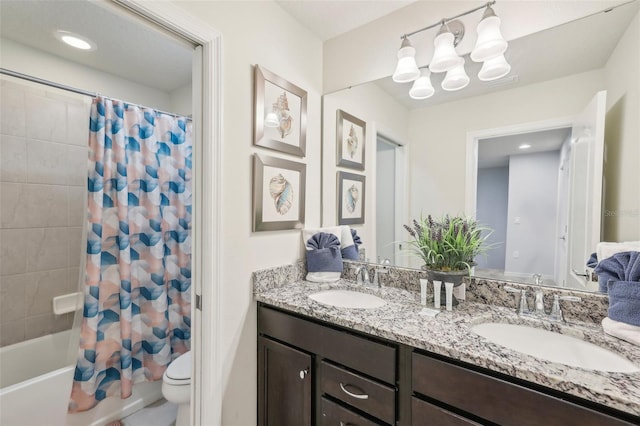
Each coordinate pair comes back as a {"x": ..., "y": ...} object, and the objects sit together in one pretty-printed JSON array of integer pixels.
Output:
[
  {"x": 75, "y": 40},
  {"x": 524, "y": 146}
]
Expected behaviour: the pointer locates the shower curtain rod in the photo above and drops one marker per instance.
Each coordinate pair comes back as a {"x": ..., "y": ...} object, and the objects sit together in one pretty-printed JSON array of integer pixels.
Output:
[{"x": 75, "y": 90}]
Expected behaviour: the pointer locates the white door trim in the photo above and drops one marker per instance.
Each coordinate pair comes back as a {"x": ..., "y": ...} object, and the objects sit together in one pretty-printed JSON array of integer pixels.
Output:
[{"x": 206, "y": 275}]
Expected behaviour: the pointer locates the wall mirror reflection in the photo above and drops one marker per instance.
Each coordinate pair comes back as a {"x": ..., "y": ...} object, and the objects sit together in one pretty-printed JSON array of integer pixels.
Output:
[{"x": 440, "y": 155}]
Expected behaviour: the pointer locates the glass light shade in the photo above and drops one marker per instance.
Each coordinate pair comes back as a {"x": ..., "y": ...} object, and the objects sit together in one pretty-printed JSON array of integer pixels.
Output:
[
  {"x": 444, "y": 55},
  {"x": 493, "y": 69},
  {"x": 271, "y": 120},
  {"x": 422, "y": 88},
  {"x": 490, "y": 42},
  {"x": 407, "y": 69},
  {"x": 456, "y": 79}
]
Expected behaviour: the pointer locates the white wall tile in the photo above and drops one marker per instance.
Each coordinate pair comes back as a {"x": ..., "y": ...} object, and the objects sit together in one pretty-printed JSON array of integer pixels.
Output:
[
  {"x": 41, "y": 288},
  {"x": 12, "y": 332},
  {"x": 13, "y": 251},
  {"x": 46, "y": 248},
  {"x": 12, "y": 295},
  {"x": 76, "y": 206},
  {"x": 14, "y": 205},
  {"x": 13, "y": 159},
  {"x": 46, "y": 118},
  {"x": 75, "y": 246},
  {"x": 12, "y": 111},
  {"x": 47, "y": 205},
  {"x": 76, "y": 166},
  {"x": 78, "y": 124},
  {"x": 47, "y": 163}
]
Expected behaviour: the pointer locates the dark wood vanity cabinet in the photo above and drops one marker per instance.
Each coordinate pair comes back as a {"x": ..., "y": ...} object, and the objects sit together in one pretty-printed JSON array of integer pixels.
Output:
[
  {"x": 457, "y": 395},
  {"x": 353, "y": 377},
  {"x": 312, "y": 373}
]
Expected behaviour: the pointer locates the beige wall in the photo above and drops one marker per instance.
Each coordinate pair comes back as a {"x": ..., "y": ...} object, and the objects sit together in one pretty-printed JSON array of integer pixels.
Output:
[
  {"x": 621, "y": 203},
  {"x": 383, "y": 115},
  {"x": 255, "y": 33},
  {"x": 438, "y": 134}
]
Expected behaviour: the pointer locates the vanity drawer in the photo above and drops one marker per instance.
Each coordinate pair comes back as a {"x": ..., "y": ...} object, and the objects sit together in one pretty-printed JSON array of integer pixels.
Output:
[
  {"x": 373, "y": 358},
  {"x": 335, "y": 414},
  {"x": 496, "y": 400},
  {"x": 364, "y": 394},
  {"x": 424, "y": 414}
]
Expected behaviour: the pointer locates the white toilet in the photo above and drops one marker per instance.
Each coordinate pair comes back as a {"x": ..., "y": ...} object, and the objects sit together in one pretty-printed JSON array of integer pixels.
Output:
[{"x": 176, "y": 386}]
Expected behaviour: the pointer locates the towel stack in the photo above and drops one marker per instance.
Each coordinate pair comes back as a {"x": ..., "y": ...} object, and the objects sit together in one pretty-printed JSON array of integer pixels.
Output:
[
  {"x": 326, "y": 247},
  {"x": 618, "y": 272}
]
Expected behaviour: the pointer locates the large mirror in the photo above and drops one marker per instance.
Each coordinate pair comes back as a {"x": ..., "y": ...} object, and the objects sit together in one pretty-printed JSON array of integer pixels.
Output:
[{"x": 458, "y": 152}]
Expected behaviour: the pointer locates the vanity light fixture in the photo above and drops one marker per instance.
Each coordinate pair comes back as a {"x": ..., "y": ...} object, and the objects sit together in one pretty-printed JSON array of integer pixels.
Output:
[
  {"x": 75, "y": 40},
  {"x": 407, "y": 69},
  {"x": 524, "y": 146},
  {"x": 489, "y": 49},
  {"x": 422, "y": 88}
]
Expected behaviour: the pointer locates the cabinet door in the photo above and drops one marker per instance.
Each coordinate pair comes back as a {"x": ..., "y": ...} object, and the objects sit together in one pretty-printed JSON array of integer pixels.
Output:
[{"x": 284, "y": 385}]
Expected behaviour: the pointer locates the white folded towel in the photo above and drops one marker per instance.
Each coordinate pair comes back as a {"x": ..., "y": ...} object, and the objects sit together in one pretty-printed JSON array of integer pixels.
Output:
[
  {"x": 605, "y": 250},
  {"x": 621, "y": 330}
]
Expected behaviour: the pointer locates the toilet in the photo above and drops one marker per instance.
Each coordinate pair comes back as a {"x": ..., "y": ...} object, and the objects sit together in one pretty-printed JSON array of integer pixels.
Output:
[{"x": 176, "y": 386}]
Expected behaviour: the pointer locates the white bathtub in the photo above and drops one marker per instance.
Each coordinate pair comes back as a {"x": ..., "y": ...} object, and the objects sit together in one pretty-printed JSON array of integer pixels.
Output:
[{"x": 36, "y": 383}]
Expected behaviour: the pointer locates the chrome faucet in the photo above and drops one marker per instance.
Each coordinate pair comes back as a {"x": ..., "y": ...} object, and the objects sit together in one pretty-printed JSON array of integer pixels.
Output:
[
  {"x": 522, "y": 309},
  {"x": 362, "y": 274},
  {"x": 556, "y": 311},
  {"x": 376, "y": 273}
]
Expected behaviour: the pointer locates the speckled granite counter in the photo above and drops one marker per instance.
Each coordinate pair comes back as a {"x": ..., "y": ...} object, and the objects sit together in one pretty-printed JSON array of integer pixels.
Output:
[{"x": 449, "y": 334}]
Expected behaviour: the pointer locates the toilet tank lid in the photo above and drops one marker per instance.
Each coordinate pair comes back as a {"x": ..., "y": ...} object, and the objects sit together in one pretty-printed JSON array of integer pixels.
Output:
[{"x": 180, "y": 368}]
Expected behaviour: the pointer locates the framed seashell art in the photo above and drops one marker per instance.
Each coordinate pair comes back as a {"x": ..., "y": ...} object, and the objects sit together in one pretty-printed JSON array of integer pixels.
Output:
[
  {"x": 351, "y": 189},
  {"x": 278, "y": 193},
  {"x": 350, "y": 136},
  {"x": 280, "y": 111}
]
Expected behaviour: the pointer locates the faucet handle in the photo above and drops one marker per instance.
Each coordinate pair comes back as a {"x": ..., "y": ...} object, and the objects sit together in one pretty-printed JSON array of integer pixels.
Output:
[
  {"x": 538, "y": 279},
  {"x": 523, "y": 309},
  {"x": 556, "y": 311}
]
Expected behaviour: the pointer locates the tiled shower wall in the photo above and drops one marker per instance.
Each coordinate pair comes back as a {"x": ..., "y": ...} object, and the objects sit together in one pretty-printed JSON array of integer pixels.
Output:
[{"x": 43, "y": 168}]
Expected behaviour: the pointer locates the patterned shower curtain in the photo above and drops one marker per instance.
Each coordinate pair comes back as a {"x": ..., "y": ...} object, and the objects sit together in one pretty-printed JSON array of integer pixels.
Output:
[{"x": 136, "y": 317}]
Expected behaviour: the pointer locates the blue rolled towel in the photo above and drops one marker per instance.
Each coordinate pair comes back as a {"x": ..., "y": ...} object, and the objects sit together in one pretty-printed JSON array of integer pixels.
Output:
[
  {"x": 624, "y": 266},
  {"x": 324, "y": 253},
  {"x": 593, "y": 261},
  {"x": 624, "y": 301}
]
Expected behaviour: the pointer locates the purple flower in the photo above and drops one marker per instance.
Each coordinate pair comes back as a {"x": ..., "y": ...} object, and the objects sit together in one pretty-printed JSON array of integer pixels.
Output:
[{"x": 410, "y": 231}]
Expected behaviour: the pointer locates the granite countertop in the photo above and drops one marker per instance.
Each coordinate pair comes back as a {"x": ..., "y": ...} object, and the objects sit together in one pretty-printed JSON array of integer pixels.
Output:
[{"x": 449, "y": 334}]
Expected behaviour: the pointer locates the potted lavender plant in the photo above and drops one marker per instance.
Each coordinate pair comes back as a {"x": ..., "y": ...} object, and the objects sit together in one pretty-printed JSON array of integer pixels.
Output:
[{"x": 447, "y": 246}]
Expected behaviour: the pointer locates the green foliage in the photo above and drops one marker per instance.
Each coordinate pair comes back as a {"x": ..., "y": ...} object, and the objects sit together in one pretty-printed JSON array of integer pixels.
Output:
[{"x": 448, "y": 244}]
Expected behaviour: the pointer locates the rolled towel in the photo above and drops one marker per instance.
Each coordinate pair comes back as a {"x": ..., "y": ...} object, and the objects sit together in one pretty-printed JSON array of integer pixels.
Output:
[
  {"x": 324, "y": 260},
  {"x": 605, "y": 250},
  {"x": 350, "y": 251},
  {"x": 627, "y": 332},
  {"x": 624, "y": 301},
  {"x": 623, "y": 266},
  {"x": 339, "y": 231}
]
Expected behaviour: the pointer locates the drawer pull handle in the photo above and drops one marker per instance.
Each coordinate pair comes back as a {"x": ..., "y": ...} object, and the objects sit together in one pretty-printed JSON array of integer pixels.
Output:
[
  {"x": 346, "y": 424},
  {"x": 303, "y": 373},
  {"x": 354, "y": 395}
]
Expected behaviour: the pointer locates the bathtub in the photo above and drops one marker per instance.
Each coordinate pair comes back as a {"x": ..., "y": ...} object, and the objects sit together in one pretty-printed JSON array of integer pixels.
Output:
[{"x": 36, "y": 378}]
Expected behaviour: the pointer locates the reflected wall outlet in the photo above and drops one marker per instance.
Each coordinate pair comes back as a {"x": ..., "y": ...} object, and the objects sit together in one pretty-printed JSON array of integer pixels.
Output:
[
  {"x": 516, "y": 220},
  {"x": 516, "y": 254}
]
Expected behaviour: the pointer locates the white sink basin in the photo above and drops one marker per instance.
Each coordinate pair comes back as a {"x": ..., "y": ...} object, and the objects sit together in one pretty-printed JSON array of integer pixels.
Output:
[
  {"x": 554, "y": 347},
  {"x": 348, "y": 299}
]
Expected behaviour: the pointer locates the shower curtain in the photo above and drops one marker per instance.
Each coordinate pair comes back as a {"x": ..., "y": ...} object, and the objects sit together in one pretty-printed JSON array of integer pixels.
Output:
[{"x": 136, "y": 316}]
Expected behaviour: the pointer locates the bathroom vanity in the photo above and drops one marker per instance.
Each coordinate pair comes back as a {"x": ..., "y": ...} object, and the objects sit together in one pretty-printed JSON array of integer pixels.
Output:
[{"x": 321, "y": 365}]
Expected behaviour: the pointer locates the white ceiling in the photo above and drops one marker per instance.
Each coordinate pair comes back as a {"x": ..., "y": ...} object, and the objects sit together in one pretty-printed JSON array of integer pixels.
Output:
[
  {"x": 495, "y": 152},
  {"x": 330, "y": 18},
  {"x": 33, "y": 23}
]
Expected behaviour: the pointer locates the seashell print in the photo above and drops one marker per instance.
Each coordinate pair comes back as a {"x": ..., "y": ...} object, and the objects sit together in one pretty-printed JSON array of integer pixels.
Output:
[
  {"x": 281, "y": 191},
  {"x": 352, "y": 142},
  {"x": 352, "y": 198}
]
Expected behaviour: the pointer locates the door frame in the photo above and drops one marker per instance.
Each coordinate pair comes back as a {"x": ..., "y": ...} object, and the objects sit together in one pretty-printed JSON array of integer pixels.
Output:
[{"x": 206, "y": 375}]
